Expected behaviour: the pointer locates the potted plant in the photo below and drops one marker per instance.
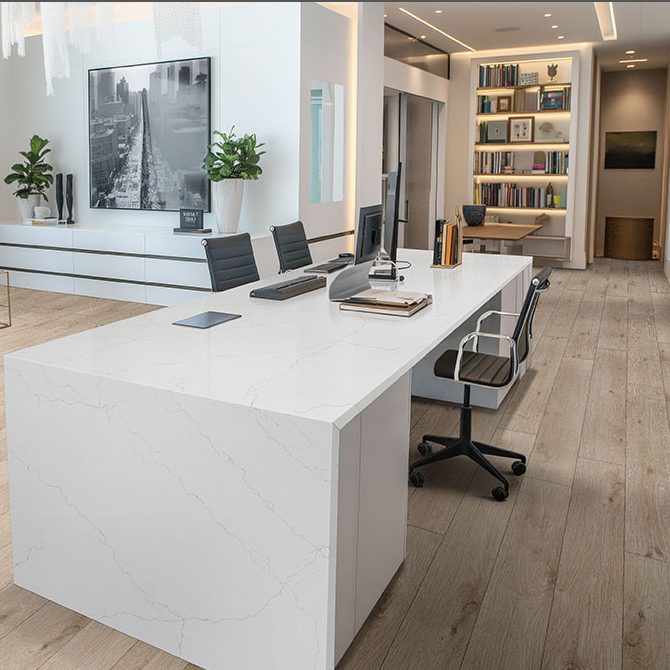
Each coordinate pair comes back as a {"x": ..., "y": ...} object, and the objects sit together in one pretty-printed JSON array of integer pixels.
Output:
[
  {"x": 229, "y": 162},
  {"x": 32, "y": 177}
]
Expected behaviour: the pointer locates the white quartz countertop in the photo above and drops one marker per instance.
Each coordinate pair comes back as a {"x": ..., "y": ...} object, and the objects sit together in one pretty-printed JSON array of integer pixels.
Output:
[{"x": 301, "y": 357}]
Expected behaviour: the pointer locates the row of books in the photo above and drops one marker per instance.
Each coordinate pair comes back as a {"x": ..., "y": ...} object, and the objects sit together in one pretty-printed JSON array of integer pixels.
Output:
[
  {"x": 555, "y": 99},
  {"x": 447, "y": 247},
  {"x": 526, "y": 101},
  {"x": 511, "y": 195},
  {"x": 383, "y": 301},
  {"x": 498, "y": 75},
  {"x": 525, "y": 162}
]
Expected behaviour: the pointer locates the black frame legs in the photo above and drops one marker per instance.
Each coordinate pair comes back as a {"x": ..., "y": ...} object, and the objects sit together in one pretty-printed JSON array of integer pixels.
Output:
[{"x": 464, "y": 445}]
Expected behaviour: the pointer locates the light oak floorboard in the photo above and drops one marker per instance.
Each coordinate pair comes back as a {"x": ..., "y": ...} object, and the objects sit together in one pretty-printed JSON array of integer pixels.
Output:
[
  {"x": 585, "y": 624},
  {"x": 563, "y": 319},
  {"x": 646, "y": 643},
  {"x": 661, "y": 303},
  {"x": 16, "y": 605},
  {"x": 557, "y": 444},
  {"x": 96, "y": 647},
  {"x": 614, "y": 324},
  {"x": 584, "y": 336},
  {"x": 370, "y": 647},
  {"x": 529, "y": 398},
  {"x": 617, "y": 282},
  {"x": 437, "y": 628},
  {"x": 510, "y": 628},
  {"x": 644, "y": 364},
  {"x": 604, "y": 432},
  {"x": 647, "y": 473},
  {"x": 39, "y": 637}
]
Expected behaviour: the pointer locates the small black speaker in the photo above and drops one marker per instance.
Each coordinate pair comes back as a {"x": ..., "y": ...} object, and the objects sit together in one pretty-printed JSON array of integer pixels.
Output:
[
  {"x": 68, "y": 198},
  {"x": 59, "y": 195}
]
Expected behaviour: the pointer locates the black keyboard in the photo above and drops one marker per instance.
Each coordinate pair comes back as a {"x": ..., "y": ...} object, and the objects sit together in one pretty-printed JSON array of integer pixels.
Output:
[
  {"x": 289, "y": 288},
  {"x": 329, "y": 266}
]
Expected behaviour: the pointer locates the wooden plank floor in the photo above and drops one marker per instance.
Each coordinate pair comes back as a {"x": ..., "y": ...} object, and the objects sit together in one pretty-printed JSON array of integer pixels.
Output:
[{"x": 572, "y": 571}]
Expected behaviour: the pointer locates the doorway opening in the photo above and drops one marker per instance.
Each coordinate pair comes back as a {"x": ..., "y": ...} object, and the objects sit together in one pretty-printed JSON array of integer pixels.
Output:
[{"x": 411, "y": 137}]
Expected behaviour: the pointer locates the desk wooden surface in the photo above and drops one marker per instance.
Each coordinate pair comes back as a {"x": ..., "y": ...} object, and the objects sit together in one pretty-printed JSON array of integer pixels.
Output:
[{"x": 500, "y": 231}]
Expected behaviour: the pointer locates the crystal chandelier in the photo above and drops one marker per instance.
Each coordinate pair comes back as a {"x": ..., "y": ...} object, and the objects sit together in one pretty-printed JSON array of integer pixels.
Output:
[{"x": 66, "y": 24}]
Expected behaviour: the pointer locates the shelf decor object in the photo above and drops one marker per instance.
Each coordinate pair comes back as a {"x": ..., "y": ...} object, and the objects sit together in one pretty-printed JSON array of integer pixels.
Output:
[
  {"x": 59, "y": 197},
  {"x": 521, "y": 129},
  {"x": 229, "y": 163},
  {"x": 32, "y": 177}
]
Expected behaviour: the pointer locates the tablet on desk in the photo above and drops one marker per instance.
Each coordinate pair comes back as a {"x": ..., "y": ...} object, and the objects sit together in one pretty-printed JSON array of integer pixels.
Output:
[{"x": 206, "y": 319}]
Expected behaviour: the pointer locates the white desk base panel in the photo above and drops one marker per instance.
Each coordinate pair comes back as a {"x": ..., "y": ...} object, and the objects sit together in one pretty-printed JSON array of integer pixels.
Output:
[{"x": 240, "y": 503}]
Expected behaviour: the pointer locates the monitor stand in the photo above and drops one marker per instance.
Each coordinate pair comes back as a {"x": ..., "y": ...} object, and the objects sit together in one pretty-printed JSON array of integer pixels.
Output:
[{"x": 384, "y": 270}]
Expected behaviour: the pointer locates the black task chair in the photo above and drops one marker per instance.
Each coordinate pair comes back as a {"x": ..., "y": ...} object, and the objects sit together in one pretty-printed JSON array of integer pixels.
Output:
[
  {"x": 231, "y": 261},
  {"x": 473, "y": 368},
  {"x": 292, "y": 247}
]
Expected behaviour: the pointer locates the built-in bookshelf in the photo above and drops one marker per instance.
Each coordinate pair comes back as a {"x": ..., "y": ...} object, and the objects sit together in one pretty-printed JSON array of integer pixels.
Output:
[{"x": 522, "y": 146}]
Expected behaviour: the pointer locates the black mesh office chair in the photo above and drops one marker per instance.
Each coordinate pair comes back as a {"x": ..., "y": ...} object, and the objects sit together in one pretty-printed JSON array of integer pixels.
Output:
[
  {"x": 473, "y": 368},
  {"x": 292, "y": 247},
  {"x": 231, "y": 261}
]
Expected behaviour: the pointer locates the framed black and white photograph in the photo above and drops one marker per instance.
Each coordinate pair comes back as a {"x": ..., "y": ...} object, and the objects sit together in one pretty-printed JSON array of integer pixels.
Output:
[
  {"x": 635, "y": 150},
  {"x": 149, "y": 129}
]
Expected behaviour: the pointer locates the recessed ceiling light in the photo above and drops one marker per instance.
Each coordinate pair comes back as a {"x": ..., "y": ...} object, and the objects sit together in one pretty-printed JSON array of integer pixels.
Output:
[
  {"x": 554, "y": 27},
  {"x": 630, "y": 66},
  {"x": 438, "y": 11},
  {"x": 630, "y": 51},
  {"x": 634, "y": 60},
  {"x": 423, "y": 37},
  {"x": 546, "y": 16},
  {"x": 436, "y": 29},
  {"x": 561, "y": 37},
  {"x": 385, "y": 15}
]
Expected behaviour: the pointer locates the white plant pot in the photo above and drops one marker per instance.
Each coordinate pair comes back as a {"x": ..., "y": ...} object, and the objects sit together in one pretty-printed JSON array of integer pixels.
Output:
[
  {"x": 227, "y": 195},
  {"x": 27, "y": 206}
]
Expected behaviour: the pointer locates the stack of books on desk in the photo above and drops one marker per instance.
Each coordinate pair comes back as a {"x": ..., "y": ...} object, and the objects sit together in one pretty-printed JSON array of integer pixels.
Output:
[{"x": 380, "y": 301}]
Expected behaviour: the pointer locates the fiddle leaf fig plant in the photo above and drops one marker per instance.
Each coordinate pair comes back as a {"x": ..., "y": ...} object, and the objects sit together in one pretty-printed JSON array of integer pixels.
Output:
[
  {"x": 233, "y": 157},
  {"x": 33, "y": 175}
]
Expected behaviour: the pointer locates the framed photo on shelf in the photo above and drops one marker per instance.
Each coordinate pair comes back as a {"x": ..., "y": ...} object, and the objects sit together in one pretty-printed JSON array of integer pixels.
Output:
[
  {"x": 521, "y": 129},
  {"x": 505, "y": 103},
  {"x": 496, "y": 132}
]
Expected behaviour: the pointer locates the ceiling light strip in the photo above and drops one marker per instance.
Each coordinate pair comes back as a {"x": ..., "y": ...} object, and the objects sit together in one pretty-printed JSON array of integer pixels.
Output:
[
  {"x": 435, "y": 28},
  {"x": 634, "y": 60},
  {"x": 606, "y": 20}
]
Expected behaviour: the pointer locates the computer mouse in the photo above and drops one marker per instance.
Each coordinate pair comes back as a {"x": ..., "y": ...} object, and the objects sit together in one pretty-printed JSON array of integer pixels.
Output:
[{"x": 345, "y": 254}]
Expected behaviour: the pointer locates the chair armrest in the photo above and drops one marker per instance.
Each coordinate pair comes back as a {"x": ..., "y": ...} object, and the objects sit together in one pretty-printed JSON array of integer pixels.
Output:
[
  {"x": 486, "y": 315},
  {"x": 495, "y": 336}
]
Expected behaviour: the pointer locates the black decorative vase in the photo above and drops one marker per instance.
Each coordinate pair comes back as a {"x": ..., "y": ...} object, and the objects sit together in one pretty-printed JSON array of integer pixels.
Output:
[
  {"x": 68, "y": 198},
  {"x": 59, "y": 195}
]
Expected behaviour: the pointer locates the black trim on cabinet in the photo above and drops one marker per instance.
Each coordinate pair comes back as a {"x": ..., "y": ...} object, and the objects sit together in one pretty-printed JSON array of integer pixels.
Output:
[{"x": 115, "y": 280}]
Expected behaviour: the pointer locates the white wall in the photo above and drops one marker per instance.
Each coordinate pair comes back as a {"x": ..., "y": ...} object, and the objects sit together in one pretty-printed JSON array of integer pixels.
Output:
[
  {"x": 370, "y": 103},
  {"x": 264, "y": 56},
  {"x": 6, "y": 144}
]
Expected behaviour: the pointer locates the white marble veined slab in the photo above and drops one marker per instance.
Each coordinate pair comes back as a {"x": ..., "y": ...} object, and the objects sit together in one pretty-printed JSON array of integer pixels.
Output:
[{"x": 300, "y": 357}]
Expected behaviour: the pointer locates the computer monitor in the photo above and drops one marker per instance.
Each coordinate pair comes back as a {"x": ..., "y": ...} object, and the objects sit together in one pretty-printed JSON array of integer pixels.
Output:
[
  {"x": 369, "y": 233},
  {"x": 392, "y": 213}
]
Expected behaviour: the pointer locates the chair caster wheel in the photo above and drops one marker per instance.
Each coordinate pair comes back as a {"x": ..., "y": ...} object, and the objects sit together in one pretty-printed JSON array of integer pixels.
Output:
[
  {"x": 499, "y": 493},
  {"x": 416, "y": 478},
  {"x": 425, "y": 448},
  {"x": 518, "y": 468}
]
